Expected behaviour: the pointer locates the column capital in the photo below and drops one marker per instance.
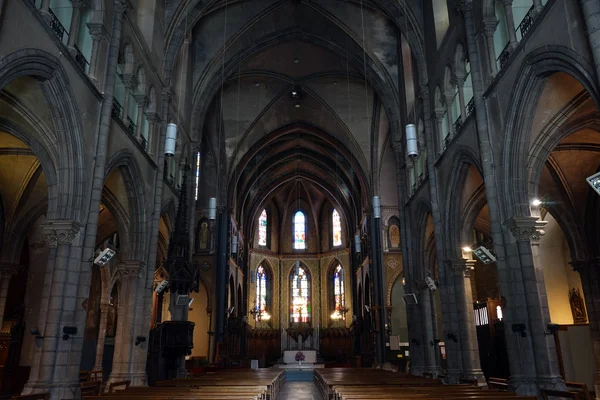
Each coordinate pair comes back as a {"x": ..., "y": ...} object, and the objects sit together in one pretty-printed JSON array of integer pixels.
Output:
[
  {"x": 397, "y": 145},
  {"x": 141, "y": 99},
  {"x": 462, "y": 266},
  {"x": 121, "y": 6},
  {"x": 129, "y": 269},
  {"x": 458, "y": 79},
  {"x": 8, "y": 270},
  {"x": 581, "y": 266},
  {"x": 60, "y": 231},
  {"x": 167, "y": 94},
  {"x": 489, "y": 27},
  {"x": 526, "y": 229},
  {"x": 506, "y": 2},
  {"x": 128, "y": 80},
  {"x": 97, "y": 31},
  {"x": 465, "y": 5},
  {"x": 82, "y": 3},
  {"x": 152, "y": 117}
]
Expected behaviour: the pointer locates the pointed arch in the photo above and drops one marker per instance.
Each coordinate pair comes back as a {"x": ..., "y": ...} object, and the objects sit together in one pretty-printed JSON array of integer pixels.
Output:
[{"x": 300, "y": 294}]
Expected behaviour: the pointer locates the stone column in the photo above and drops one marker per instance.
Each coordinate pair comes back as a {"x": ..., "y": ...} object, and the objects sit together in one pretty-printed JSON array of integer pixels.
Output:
[
  {"x": 45, "y": 10},
  {"x": 591, "y": 13},
  {"x": 510, "y": 23},
  {"x": 590, "y": 281},
  {"x": 129, "y": 273},
  {"x": 427, "y": 328},
  {"x": 526, "y": 230},
  {"x": 78, "y": 5},
  {"x": 142, "y": 102},
  {"x": 489, "y": 28},
  {"x": 49, "y": 372},
  {"x": 128, "y": 82},
  {"x": 459, "y": 81},
  {"x": 462, "y": 269},
  {"x": 104, "y": 310},
  {"x": 98, "y": 33},
  {"x": 448, "y": 97},
  {"x": 153, "y": 120},
  {"x": 537, "y": 7},
  {"x": 438, "y": 117},
  {"x": 7, "y": 271}
]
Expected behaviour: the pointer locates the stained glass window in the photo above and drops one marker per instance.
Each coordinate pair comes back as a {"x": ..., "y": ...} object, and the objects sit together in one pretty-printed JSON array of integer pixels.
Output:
[
  {"x": 337, "y": 228},
  {"x": 299, "y": 289},
  {"x": 262, "y": 229},
  {"x": 338, "y": 293},
  {"x": 299, "y": 231},
  {"x": 261, "y": 293}
]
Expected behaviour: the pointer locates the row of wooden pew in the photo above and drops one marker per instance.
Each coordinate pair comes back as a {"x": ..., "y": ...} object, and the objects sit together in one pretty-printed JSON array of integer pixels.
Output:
[{"x": 376, "y": 384}]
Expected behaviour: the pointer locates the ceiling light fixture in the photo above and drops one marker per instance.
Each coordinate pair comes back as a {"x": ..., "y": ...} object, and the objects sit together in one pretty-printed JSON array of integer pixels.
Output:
[
  {"x": 536, "y": 202},
  {"x": 594, "y": 182},
  {"x": 297, "y": 105}
]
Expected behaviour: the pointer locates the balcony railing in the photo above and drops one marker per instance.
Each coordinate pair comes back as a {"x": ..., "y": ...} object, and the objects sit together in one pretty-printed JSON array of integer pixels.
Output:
[
  {"x": 144, "y": 143},
  {"x": 470, "y": 107},
  {"x": 117, "y": 109},
  {"x": 59, "y": 30},
  {"x": 81, "y": 60},
  {"x": 457, "y": 125},
  {"x": 504, "y": 56},
  {"x": 526, "y": 24},
  {"x": 131, "y": 127}
]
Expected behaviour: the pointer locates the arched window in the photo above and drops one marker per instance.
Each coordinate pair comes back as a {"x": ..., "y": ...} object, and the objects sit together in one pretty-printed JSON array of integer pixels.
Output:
[
  {"x": 262, "y": 228},
  {"x": 338, "y": 301},
  {"x": 299, "y": 231},
  {"x": 337, "y": 228},
  {"x": 262, "y": 293},
  {"x": 300, "y": 297}
]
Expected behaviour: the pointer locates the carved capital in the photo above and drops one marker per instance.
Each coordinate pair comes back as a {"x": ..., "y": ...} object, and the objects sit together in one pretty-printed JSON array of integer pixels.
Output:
[
  {"x": 465, "y": 5},
  {"x": 526, "y": 229},
  {"x": 489, "y": 27},
  {"x": 129, "y": 269},
  {"x": 82, "y": 3},
  {"x": 397, "y": 145},
  {"x": 97, "y": 31},
  {"x": 152, "y": 117},
  {"x": 462, "y": 267},
  {"x": 128, "y": 80},
  {"x": 167, "y": 94},
  {"x": 121, "y": 6},
  {"x": 60, "y": 232},
  {"x": 8, "y": 270},
  {"x": 141, "y": 99},
  {"x": 458, "y": 79},
  {"x": 506, "y": 2}
]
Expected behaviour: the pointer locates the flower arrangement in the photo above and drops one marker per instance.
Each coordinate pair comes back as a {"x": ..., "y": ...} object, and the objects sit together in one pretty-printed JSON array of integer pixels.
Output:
[{"x": 300, "y": 356}]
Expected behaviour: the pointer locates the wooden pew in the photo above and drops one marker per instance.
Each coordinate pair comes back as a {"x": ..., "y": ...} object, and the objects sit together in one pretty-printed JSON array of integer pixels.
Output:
[
  {"x": 33, "y": 396},
  {"x": 547, "y": 394}
]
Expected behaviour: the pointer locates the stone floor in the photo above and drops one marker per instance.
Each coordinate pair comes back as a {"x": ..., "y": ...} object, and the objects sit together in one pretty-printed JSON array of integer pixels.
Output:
[{"x": 299, "y": 391}]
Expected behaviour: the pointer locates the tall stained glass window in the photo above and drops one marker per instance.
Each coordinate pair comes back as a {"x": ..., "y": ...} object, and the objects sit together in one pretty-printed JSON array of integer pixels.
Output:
[
  {"x": 261, "y": 293},
  {"x": 299, "y": 231},
  {"x": 337, "y": 228},
  {"x": 299, "y": 290},
  {"x": 262, "y": 229},
  {"x": 338, "y": 293}
]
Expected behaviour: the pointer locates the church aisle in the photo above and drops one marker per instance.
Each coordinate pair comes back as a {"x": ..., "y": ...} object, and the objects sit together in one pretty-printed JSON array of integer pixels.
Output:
[{"x": 299, "y": 391}]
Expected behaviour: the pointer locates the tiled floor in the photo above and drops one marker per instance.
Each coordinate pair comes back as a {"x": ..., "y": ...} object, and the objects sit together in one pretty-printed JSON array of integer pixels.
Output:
[{"x": 299, "y": 391}]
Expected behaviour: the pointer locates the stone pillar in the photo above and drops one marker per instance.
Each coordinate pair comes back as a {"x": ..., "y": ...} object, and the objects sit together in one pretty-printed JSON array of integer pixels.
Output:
[
  {"x": 104, "y": 310},
  {"x": 489, "y": 28},
  {"x": 459, "y": 81},
  {"x": 129, "y": 273},
  {"x": 448, "y": 97},
  {"x": 510, "y": 23},
  {"x": 537, "y": 7},
  {"x": 153, "y": 120},
  {"x": 591, "y": 13},
  {"x": 45, "y": 10},
  {"x": 49, "y": 372},
  {"x": 590, "y": 281},
  {"x": 526, "y": 230},
  {"x": 98, "y": 33},
  {"x": 142, "y": 102},
  {"x": 438, "y": 117},
  {"x": 7, "y": 271},
  {"x": 128, "y": 82},
  {"x": 78, "y": 5},
  {"x": 427, "y": 328},
  {"x": 462, "y": 269}
]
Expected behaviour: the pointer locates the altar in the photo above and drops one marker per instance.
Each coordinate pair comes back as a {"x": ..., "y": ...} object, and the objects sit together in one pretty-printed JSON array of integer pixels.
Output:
[{"x": 310, "y": 356}]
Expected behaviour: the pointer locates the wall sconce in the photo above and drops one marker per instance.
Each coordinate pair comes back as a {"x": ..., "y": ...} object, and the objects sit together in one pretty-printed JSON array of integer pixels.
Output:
[
  {"x": 35, "y": 332},
  {"x": 520, "y": 329}
]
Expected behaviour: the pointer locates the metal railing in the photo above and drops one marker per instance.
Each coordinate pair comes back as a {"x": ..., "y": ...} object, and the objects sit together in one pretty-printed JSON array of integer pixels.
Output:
[
  {"x": 81, "y": 60},
  {"x": 526, "y": 24},
  {"x": 117, "y": 109},
  {"x": 470, "y": 107},
  {"x": 504, "y": 56},
  {"x": 131, "y": 126},
  {"x": 57, "y": 27},
  {"x": 457, "y": 125},
  {"x": 144, "y": 143}
]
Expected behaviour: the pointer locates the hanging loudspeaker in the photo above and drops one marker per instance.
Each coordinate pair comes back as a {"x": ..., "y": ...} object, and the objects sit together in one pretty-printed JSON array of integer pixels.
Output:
[
  {"x": 171, "y": 140},
  {"x": 377, "y": 207},
  {"x": 357, "y": 243},
  {"x": 234, "y": 244},
  {"x": 412, "y": 148},
  {"x": 212, "y": 208}
]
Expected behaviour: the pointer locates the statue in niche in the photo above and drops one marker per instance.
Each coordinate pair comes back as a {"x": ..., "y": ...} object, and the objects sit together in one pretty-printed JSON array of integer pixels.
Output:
[
  {"x": 577, "y": 306},
  {"x": 394, "y": 234},
  {"x": 204, "y": 236}
]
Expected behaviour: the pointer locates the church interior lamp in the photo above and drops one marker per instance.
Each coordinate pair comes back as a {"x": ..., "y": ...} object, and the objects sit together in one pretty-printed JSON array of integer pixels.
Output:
[
  {"x": 484, "y": 255},
  {"x": 171, "y": 140},
  {"x": 412, "y": 148},
  {"x": 104, "y": 257},
  {"x": 212, "y": 208},
  {"x": 377, "y": 207},
  {"x": 594, "y": 182},
  {"x": 357, "y": 243}
]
